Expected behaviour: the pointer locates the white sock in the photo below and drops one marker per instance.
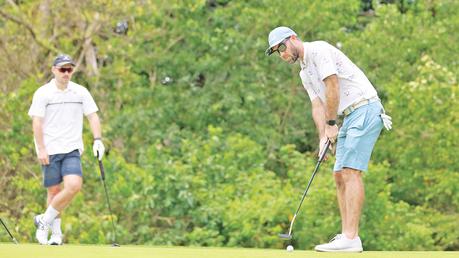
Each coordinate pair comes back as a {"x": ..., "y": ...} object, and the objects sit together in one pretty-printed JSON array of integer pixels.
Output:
[
  {"x": 50, "y": 215},
  {"x": 349, "y": 239},
  {"x": 56, "y": 227}
]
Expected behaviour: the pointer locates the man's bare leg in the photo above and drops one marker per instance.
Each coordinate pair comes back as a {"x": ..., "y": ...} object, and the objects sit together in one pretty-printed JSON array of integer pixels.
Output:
[
  {"x": 72, "y": 185},
  {"x": 340, "y": 196},
  {"x": 354, "y": 195},
  {"x": 56, "y": 232}
]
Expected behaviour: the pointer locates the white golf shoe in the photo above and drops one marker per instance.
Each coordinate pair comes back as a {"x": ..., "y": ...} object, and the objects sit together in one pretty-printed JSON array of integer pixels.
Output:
[
  {"x": 340, "y": 243},
  {"x": 55, "y": 239},
  {"x": 56, "y": 232},
  {"x": 42, "y": 230}
]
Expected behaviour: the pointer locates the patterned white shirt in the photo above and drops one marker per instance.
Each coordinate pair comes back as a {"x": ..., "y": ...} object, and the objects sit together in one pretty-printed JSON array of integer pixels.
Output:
[{"x": 322, "y": 60}]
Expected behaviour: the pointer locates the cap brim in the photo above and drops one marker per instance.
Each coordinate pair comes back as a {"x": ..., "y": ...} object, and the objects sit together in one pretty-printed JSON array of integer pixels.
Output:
[
  {"x": 64, "y": 63},
  {"x": 269, "y": 51}
]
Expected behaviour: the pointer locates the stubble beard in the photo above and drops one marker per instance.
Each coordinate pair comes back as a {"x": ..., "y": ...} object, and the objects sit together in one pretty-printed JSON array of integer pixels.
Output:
[
  {"x": 294, "y": 58},
  {"x": 63, "y": 82}
]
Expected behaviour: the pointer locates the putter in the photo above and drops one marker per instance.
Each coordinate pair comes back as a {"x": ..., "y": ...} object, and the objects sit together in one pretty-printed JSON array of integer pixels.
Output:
[
  {"x": 102, "y": 177},
  {"x": 321, "y": 158},
  {"x": 9, "y": 233}
]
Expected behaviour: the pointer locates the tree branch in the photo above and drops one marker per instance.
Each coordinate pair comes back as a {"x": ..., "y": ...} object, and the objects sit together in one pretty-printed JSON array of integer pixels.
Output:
[{"x": 31, "y": 31}]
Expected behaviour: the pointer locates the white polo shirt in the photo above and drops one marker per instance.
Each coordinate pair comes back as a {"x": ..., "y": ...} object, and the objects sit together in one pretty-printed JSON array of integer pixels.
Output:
[
  {"x": 62, "y": 112},
  {"x": 322, "y": 60}
]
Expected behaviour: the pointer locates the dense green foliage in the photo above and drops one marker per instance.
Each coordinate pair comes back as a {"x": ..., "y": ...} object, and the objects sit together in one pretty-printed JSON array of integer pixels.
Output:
[{"x": 220, "y": 154}]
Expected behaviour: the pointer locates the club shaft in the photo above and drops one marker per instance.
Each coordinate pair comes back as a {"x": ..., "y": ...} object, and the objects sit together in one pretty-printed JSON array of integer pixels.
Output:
[
  {"x": 9, "y": 233},
  {"x": 111, "y": 213},
  {"x": 291, "y": 225},
  {"x": 307, "y": 187},
  {"x": 321, "y": 158},
  {"x": 102, "y": 177}
]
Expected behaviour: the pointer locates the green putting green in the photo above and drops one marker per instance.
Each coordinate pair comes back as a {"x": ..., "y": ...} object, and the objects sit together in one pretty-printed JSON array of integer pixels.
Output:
[{"x": 92, "y": 251}]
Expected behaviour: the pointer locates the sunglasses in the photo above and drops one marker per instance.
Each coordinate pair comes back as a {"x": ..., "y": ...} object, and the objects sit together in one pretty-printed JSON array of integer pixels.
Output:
[
  {"x": 281, "y": 47},
  {"x": 64, "y": 70}
]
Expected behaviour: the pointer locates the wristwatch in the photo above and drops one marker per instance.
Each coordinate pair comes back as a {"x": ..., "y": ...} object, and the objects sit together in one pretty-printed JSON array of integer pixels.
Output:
[{"x": 331, "y": 122}]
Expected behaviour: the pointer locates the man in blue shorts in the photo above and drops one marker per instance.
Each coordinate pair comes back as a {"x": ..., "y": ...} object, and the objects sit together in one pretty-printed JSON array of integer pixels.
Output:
[
  {"x": 57, "y": 119},
  {"x": 336, "y": 86}
]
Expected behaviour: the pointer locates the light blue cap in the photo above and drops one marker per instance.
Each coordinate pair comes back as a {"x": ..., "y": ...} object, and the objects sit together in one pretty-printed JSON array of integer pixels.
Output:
[{"x": 276, "y": 36}]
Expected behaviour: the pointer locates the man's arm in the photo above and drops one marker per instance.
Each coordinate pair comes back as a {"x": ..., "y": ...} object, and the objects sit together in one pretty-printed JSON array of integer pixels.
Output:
[
  {"x": 37, "y": 126},
  {"x": 98, "y": 147},
  {"x": 331, "y": 107},
  {"x": 94, "y": 123},
  {"x": 332, "y": 96},
  {"x": 318, "y": 115}
]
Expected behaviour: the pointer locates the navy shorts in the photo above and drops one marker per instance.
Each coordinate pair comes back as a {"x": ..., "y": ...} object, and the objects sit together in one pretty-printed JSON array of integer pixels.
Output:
[
  {"x": 358, "y": 136},
  {"x": 61, "y": 165}
]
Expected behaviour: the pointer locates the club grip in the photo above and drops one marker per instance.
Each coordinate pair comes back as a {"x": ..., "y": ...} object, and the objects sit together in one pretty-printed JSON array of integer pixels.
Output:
[
  {"x": 324, "y": 152},
  {"x": 102, "y": 171}
]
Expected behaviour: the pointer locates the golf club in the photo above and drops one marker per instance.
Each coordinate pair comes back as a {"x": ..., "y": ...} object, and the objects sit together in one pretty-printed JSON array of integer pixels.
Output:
[
  {"x": 102, "y": 177},
  {"x": 9, "y": 233},
  {"x": 321, "y": 158}
]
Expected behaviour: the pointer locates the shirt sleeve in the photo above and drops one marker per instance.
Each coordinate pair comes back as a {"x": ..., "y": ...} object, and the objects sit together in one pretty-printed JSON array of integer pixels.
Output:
[
  {"x": 39, "y": 102},
  {"x": 324, "y": 62},
  {"x": 89, "y": 105}
]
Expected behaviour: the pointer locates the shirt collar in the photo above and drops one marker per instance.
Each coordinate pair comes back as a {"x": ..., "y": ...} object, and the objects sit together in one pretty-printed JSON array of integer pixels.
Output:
[
  {"x": 304, "y": 61},
  {"x": 53, "y": 85}
]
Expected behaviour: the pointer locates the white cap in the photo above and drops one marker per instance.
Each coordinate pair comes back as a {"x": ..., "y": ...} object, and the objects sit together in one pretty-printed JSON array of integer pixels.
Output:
[{"x": 276, "y": 36}]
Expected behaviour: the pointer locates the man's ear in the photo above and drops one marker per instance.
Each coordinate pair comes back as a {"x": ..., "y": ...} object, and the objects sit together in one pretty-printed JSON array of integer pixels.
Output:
[{"x": 53, "y": 70}]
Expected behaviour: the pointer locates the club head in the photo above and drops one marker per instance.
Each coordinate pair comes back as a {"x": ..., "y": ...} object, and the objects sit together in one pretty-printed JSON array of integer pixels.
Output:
[
  {"x": 285, "y": 236},
  {"x": 115, "y": 245}
]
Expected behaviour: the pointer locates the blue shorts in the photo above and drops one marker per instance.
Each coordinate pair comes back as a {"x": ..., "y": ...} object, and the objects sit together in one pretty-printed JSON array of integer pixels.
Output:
[
  {"x": 61, "y": 165},
  {"x": 358, "y": 136}
]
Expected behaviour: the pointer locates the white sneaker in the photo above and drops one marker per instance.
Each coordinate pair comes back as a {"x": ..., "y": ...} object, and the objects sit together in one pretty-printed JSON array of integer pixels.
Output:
[
  {"x": 56, "y": 232},
  {"x": 56, "y": 239},
  {"x": 340, "y": 243},
  {"x": 42, "y": 230}
]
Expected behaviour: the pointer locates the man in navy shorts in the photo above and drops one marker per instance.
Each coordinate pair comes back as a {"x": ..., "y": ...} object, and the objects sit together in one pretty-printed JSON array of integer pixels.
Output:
[
  {"x": 336, "y": 86},
  {"x": 57, "y": 118}
]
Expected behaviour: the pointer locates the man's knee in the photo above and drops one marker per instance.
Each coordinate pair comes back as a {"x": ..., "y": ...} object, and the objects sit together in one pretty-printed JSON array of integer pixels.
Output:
[
  {"x": 339, "y": 180},
  {"x": 53, "y": 190},
  {"x": 349, "y": 174},
  {"x": 73, "y": 188},
  {"x": 73, "y": 184}
]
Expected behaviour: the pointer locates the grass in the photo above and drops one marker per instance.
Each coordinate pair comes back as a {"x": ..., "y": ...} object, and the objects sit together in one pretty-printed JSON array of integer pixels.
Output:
[{"x": 93, "y": 251}]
